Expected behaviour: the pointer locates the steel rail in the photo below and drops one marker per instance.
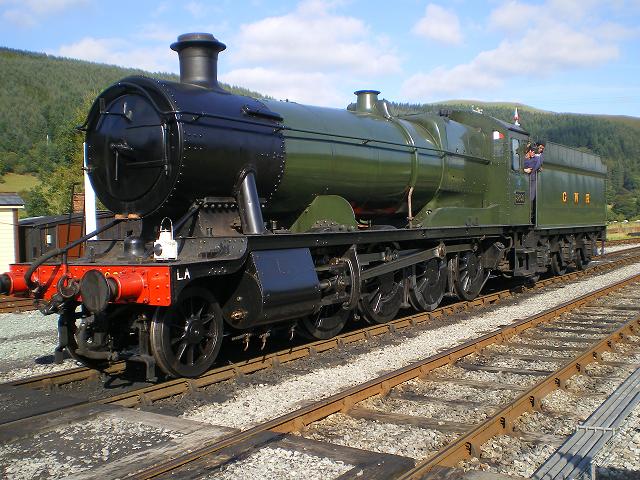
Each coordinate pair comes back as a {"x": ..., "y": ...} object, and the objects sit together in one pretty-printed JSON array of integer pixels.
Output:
[
  {"x": 343, "y": 401},
  {"x": 15, "y": 304},
  {"x": 623, "y": 241},
  {"x": 155, "y": 392},
  {"x": 501, "y": 422}
]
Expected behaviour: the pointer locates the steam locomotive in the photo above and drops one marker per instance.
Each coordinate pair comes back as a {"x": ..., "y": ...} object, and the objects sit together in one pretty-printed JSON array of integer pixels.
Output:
[{"x": 247, "y": 217}]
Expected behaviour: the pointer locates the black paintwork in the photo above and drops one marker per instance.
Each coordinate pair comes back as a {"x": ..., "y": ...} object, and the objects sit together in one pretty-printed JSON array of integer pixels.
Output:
[
  {"x": 156, "y": 146},
  {"x": 198, "y": 54},
  {"x": 275, "y": 285}
]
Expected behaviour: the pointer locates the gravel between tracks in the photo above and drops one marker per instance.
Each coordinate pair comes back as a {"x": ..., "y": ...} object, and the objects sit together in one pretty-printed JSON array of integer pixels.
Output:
[
  {"x": 27, "y": 342},
  {"x": 250, "y": 404},
  {"x": 617, "y": 248},
  {"x": 515, "y": 456},
  {"x": 405, "y": 440}
]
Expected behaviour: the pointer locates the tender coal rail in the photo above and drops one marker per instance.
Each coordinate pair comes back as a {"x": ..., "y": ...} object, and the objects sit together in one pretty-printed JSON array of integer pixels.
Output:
[{"x": 462, "y": 439}]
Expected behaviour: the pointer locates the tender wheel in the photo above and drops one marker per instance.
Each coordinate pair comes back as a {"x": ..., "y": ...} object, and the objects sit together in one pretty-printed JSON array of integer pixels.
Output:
[
  {"x": 327, "y": 323},
  {"x": 557, "y": 266},
  {"x": 186, "y": 337},
  {"x": 428, "y": 284},
  {"x": 581, "y": 260},
  {"x": 468, "y": 275},
  {"x": 381, "y": 297}
]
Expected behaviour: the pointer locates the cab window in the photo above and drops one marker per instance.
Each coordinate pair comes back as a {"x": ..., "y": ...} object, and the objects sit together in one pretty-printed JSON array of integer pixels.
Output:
[{"x": 515, "y": 154}]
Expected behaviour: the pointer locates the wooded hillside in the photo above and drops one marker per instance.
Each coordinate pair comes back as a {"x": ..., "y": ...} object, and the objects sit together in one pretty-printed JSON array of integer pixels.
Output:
[{"x": 42, "y": 99}]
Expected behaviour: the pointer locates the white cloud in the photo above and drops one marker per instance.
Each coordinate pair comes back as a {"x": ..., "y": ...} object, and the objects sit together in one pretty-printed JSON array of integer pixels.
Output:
[
  {"x": 311, "y": 39},
  {"x": 610, "y": 31},
  {"x": 117, "y": 51},
  {"x": 554, "y": 43},
  {"x": 573, "y": 8},
  {"x": 311, "y": 55},
  {"x": 28, "y": 13},
  {"x": 303, "y": 87},
  {"x": 439, "y": 24},
  {"x": 514, "y": 15}
]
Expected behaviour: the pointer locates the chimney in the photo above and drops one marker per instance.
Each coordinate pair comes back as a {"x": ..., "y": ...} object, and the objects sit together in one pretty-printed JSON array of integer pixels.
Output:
[
  {"x": 198, "y": 54},
  {"x": 367, "y": 101}
]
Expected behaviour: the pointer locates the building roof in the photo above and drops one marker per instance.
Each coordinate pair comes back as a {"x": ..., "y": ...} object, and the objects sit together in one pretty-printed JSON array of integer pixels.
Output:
[
  {"x": 59, "y": 219},
  {"x": 11, "y": 200}
]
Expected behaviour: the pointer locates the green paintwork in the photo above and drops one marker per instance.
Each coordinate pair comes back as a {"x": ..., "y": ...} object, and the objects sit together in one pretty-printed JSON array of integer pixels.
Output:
[
  {"x": 571, "y": 171},
  {"x": 460, "y": 173},
  {"x": 326, "y": 211},
  {"x": 373, "y": 176}
]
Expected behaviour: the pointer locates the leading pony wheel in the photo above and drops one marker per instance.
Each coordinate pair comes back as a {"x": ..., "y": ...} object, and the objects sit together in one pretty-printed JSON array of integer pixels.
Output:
[
  {"x": 186, "y": 337},
  {"x": 67, "y": 321}
]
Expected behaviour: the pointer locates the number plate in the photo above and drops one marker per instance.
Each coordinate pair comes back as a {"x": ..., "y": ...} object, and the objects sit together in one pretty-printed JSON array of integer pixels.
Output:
[{"x": 520, "y": 198}]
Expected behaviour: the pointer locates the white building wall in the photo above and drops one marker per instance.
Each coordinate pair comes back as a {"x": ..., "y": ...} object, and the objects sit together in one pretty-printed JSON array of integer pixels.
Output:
[{"x": 7, "y": 239}]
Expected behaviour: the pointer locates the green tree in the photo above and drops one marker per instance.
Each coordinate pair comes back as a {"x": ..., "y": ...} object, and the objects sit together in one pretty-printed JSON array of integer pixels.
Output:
[{"x": 53, "y": 196}]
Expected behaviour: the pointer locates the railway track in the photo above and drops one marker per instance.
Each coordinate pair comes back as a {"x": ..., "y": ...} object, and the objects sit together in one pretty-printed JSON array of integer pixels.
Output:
[
  {"x": 291, "y": 431},
  {"x": 312, "y": 428},
  {"x": 293, "y": 422},
  {"x": 53, "y": 380},
  {"x": 15, "y": 304},
  {"x": 624, "y": 241}
]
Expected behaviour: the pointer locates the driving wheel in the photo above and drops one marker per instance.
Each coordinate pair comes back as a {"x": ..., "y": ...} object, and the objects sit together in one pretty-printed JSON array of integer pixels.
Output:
[
  {"x": 468, "y": 275},
  {"x": 428, "y": 284},
  {"x": 381, "y": 297},
  {"x": 186, "y": 337}
]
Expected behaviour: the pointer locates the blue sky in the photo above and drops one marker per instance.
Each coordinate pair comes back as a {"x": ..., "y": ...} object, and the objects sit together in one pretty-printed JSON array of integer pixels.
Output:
[{"x": 560, "y": 55}]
